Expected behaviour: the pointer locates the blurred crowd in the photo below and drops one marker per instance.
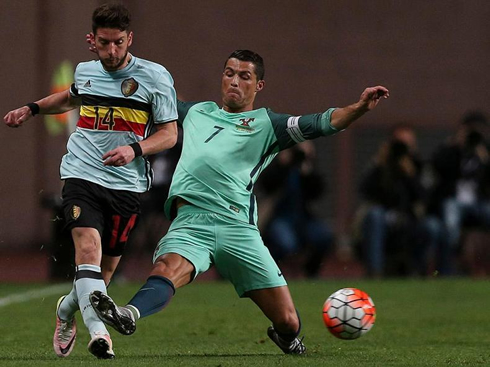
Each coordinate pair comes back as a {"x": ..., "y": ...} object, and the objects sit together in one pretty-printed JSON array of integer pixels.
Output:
[
  {"x": 413, "y": 218},
  {"x": 415, "y": 212}
]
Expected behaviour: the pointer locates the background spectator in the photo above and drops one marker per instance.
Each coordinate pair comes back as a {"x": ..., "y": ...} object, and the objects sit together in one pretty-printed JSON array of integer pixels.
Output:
[
  {"x": 462, "y": 167},
  {"x": 292, "y": 184},
  {"x": 394, "y": 223},
  {"x": 153, "y": 224}
]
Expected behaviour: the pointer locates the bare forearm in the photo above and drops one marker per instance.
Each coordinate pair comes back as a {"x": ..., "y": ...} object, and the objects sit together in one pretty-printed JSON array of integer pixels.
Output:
[
  {"x": 164, "y": 138},
  {"x": 57, "y": 103},
  {"x": 342, "y": 117},
  {"x": 52, "y": 104}
]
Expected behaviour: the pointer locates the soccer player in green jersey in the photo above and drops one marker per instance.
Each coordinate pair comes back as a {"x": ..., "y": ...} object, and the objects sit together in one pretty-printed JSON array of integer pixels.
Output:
[
  {"x": 122, "y": 98},
  {"x": 212, "y": 204}
]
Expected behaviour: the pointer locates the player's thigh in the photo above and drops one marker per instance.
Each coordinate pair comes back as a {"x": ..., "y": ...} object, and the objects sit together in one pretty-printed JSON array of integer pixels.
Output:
[
  {"x": 192, "y": 237},
  {"x": 242, "y": 258},
  {"x": 81, "y": 206},
  {"x": 112, "y": 213},
  {"x": 121, "y": 215}
]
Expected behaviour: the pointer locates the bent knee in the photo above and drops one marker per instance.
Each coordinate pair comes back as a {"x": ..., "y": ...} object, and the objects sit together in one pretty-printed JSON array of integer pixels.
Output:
[
  {"x": 175, "y": 268},
  {"x": 160, "y": 267},
  {"x": 87, "y": 245}
]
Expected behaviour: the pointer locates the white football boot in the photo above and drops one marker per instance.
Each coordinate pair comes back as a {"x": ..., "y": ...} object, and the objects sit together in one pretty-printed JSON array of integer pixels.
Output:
[
  {"x": 101, "y": 346},
  {"x": 65, "y": 334}
]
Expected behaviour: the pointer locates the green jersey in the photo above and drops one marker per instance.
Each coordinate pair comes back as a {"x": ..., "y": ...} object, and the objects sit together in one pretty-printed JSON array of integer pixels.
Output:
[{"x": 224, "y": 153}]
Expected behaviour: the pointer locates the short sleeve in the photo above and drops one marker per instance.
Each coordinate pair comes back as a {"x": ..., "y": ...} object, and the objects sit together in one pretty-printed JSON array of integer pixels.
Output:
[
  {"x": 74, "y": 91},
  {"x": 183, "y": 108},
  {"x": 164, "y": 103},
  {"x": 73, "y": 88}
]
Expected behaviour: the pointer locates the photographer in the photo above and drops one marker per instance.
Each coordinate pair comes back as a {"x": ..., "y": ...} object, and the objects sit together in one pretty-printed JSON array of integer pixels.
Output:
[
  {"x": 292, "y": 184},
  {"x": 394, "y": 223},
  {"x": 462, "y": 165}
]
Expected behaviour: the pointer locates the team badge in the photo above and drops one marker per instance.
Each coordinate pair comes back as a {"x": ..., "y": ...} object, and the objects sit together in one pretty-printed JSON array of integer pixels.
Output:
[
  {"x": 129, "y": 87},
  {"x": 75, "y": 212},
  {"x": 246, "y": 122},
  {"x": 245, "y": 125}
]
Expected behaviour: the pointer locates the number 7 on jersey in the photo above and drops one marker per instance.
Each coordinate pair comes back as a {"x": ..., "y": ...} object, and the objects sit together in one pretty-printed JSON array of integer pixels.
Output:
[{"x": 218, "y": 130}]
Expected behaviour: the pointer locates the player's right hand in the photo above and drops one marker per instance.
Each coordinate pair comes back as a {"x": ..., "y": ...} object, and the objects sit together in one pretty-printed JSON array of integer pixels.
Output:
[
  {"x": 119, "y": 157},
  {"x": 371, "y": 96},
  {"x": 16, "y": 118}
]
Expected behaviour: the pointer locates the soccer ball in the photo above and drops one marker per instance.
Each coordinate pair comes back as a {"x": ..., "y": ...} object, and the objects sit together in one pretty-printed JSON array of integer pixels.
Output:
[{"x": 349, "y": 313}]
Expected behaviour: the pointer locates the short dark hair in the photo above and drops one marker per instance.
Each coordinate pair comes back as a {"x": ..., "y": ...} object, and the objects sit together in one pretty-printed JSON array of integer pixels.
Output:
[
  {"x": 115, "y": 16},
  {"x": 253, "y": 57}
]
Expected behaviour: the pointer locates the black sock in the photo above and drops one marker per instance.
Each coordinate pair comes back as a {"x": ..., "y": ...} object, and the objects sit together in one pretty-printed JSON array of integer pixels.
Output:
[{"x": 153, "y": 296}]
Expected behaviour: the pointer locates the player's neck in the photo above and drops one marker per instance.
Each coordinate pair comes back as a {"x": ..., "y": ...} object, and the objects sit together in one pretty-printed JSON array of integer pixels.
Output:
[
  {"x": 126, "y": 62},
  {"x": 238, "y": 109}
]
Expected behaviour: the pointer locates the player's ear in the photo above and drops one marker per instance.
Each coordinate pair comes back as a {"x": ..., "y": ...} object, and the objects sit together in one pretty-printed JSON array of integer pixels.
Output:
[
  {"x": 260, "y": 85},
  {"x": 130, "y": 38}
]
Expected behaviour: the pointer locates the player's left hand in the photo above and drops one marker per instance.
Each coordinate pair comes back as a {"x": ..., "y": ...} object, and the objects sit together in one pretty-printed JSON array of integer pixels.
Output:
[
  {"x": 371, "y": 96},
  {"x": 119, "y": 157}
]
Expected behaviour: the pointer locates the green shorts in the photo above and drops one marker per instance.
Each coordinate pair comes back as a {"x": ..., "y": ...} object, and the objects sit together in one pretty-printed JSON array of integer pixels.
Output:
[{"x": 235, "y": 248}]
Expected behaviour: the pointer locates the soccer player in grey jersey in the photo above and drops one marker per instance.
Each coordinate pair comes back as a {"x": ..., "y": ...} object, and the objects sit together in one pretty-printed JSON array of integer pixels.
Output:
[
  {"x": 121, "y": 99},
  {"x": 212, "y": 204}
]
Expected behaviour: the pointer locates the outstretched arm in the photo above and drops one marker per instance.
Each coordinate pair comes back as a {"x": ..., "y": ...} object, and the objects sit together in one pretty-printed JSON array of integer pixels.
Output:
[
  {"x": 53, "y": 104},
  {"x": 343, "y": 117}
]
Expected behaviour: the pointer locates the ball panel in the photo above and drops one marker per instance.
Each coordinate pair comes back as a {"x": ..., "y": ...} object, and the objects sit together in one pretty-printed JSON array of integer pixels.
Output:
[{"x": 349, "y": 313}]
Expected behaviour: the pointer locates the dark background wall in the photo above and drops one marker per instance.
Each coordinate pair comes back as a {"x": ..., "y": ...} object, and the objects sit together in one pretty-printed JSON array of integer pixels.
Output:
[{"x": 432, "y": 55}]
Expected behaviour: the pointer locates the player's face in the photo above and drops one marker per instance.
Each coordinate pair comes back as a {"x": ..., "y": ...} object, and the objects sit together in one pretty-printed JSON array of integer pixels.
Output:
[
  {"x": 239, "y": 85},
  {"x": 112, "y": 45}
]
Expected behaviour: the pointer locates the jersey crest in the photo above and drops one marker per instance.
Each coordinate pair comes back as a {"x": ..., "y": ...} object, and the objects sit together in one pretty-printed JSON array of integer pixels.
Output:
[
  {"x": 245, "y": 125},
  {"x": 75, "y": 212},
  {"x": 129, "y": 87}
]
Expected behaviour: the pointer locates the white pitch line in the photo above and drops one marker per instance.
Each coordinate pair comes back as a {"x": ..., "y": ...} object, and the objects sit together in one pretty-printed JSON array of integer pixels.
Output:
[{"x": 33, "y": 294}]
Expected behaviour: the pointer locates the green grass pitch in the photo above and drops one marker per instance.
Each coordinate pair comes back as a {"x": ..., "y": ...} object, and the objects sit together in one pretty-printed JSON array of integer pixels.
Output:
[{"x": 419, "y": 323}]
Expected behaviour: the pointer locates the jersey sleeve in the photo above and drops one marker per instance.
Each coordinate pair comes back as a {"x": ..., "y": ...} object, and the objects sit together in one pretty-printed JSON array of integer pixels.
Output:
[
  {"x": 74, "y": 91},
  {"x": 164, "y": 103},
  {"x": 183, "y": 108},
  {"x": 290, "y": 130},
  {"x": 73, "y": 88}
]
